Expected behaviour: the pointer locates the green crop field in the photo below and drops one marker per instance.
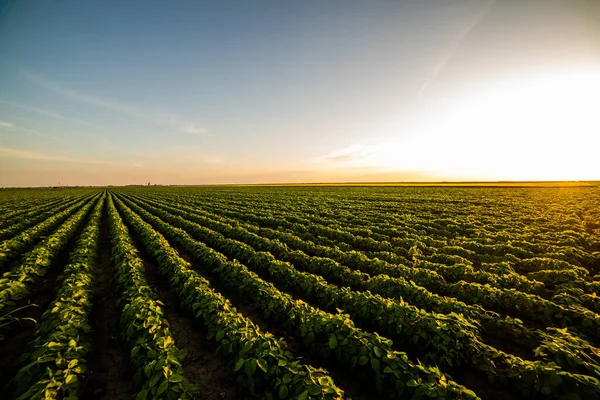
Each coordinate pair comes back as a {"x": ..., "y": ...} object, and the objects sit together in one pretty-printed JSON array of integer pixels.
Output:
[{"x": 233, "y": 292}]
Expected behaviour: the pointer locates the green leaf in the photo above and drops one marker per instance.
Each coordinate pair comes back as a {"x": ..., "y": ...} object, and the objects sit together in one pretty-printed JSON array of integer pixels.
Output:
[
  {"x": 250, "y": 367},
  {"x": 303, "y": 395},
  {"x": 262, "y": 364},
  {"x": 377, "y": 351},
  {"x": 70, "y": 379},
  {"x": 176, "y": 378},
  {"x": 134, "y": 351},
  {"x": 246, "y": 348},
  {"x": 412, "y": 383},
  {"x": 375, "y": 364},
  {"x": 239, "y": 364},
  {"x": 363, "y": 360},
  {"x": 142, "y": 395},
  {"x": 162, "y": 388},
  {"x": 283, "y": 391},
  {"x": 220, "y": 335},
  {"x": 315, "y": 390},
  {"x": 333, "y": 342}
]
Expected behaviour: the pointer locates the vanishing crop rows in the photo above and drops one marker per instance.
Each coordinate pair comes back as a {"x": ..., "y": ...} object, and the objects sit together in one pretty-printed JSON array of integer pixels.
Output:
[{"x": 300, "y": 293}]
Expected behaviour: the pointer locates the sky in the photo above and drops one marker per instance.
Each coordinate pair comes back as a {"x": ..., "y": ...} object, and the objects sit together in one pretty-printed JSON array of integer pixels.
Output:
[{"x": 204, "y": 92}]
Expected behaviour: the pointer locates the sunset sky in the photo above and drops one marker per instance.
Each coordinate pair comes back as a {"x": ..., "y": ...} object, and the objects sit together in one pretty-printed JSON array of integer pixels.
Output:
[{"x": 201, "y": 92}]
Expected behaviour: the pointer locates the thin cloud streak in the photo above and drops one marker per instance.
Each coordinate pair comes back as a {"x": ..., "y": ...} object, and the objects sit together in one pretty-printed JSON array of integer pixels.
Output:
[
  {"x": 351, "y": 154},
  {"x": 6, "y": 125},
  {"x": 194, "y": 129},
  {"x": 46, "y": 113},
  {"x": 68, "y": 92},
  {"x": 121, "y": 108},
  {"x": 10, "y": 127},
  {"x": 7, "y": 152},
  {"x": 452, "y": 50}
]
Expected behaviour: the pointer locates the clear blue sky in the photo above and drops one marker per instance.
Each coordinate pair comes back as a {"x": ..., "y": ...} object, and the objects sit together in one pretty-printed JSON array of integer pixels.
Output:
[{"x": 189, "y": 92}]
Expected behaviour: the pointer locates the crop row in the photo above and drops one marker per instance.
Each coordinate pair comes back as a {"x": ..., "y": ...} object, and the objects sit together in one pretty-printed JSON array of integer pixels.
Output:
[
  {"x": 328, "y": 335},
  {"x": 10, "y": 218},
  {"x": 12, "y": 248},
  {"x": 398, "y": 288},
  {"x": 446, "y": 340},
  {"x": 511, "y": 302},
  {"x": 11, "y": 209},
  {"x": 33, "y": 218},
  {"x": 58, "y": 353},
  {"x": 17, "y": 284},
  {"x": 425, "y": 213},
  {"x": 143, "y": 327},
  {"x": 262, "y": 362},
  {"x": 396, "y": 249}
]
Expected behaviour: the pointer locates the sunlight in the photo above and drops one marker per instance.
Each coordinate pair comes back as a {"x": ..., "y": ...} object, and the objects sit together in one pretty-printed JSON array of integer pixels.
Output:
[{"x": 541, "y": 128}]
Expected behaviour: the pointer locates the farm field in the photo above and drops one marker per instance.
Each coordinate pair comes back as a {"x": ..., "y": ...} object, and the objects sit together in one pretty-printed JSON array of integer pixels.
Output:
[{"x": 233, "y": 292}]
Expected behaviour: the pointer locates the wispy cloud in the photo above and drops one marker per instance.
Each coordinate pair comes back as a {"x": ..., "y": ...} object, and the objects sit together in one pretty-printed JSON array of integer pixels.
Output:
[
  {"x": 175, "y": 122},
  {"x": 12, "y": 128},
  {"x": 6, "y": 125},
  {"x": 30, "y": 155},
  {"x": 194, "y": 129},
  {"x": 85, "y": 98},
  {"x": 351, "y": 154},
  {"x": 454, "y": 46},
  {"x": 47, "y": 113}
]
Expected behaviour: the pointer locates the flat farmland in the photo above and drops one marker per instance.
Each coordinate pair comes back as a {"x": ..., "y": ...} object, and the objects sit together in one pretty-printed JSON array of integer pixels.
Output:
[{"x": 300, "y": 292}]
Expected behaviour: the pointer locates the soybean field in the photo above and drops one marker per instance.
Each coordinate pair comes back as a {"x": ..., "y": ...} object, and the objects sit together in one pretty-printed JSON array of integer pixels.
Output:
[{"x": 250, "y": 292}]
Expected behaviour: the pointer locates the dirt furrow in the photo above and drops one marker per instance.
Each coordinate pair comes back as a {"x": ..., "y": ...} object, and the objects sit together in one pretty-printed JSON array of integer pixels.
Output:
[{"x": 110, "y": 375}]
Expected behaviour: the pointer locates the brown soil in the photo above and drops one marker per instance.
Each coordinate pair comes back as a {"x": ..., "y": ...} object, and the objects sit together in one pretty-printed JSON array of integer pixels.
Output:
[
  {"x": 352, "y": 384},
  {"x": 203, "y": 365},
  {"x": 109, "y": 371}
]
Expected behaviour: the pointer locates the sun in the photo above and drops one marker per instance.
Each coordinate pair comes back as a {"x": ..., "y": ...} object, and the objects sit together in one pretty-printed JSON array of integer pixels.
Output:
[{"x": 541, "y": 127}]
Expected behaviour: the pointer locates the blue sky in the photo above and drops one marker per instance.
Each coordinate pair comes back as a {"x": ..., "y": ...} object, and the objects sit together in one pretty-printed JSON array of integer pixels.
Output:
[{"x": 191, "y": 92}]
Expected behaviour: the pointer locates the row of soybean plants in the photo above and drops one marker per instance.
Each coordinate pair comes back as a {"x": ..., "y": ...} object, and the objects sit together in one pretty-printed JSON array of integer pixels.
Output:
[
  {"x": 400, "y": 239},
  {"x": 14, "y": 215},
  {"x": 511, "y": 302},
  {"x": 12, "y": 248},
  {"x": 56, "y": 359},
  {"x": 557, "y": 262},
  {"x": 461, "y": 209},
  {"x": 56, "y": 364},
  {"x": 384, "y": 251},
  {"x": 34, "y": 217},
  {"x": 18, "y": 283},
  {"x": 263, "y": 363},
  {"x": 565, "y": 234},
  {"x": 444, "y": 339},
  {"x": 578, "y": 354},
  {"x": 327, "y": 335},
  {"x": 394, "y": 244},
  {"x": 11, "y": 206},
  {"x": 143, "y": 326}
]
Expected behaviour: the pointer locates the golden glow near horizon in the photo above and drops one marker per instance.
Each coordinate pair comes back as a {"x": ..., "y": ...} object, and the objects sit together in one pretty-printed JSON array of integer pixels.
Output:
[
  {"x": 312, "y": 91},
  {"x": 543, "y": 127}
]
